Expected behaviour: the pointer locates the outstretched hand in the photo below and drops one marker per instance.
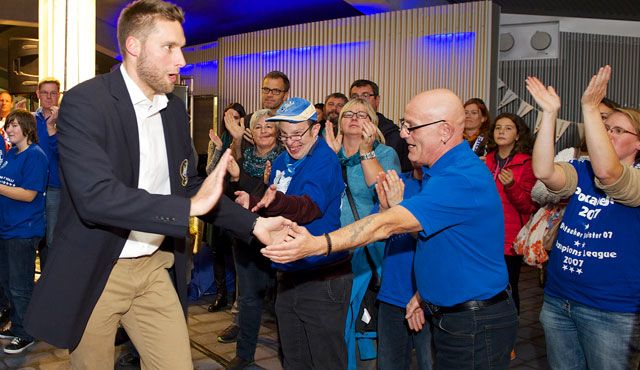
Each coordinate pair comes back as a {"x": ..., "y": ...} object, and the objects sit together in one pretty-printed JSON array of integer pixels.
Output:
[
  {"x": 545, "y": 97},
  {"x": 268, "y": 198},
  {"x": 299, "y": 243},
  {"x": 272, "y": 230},
  {"x": 211, "y": 189},
  {"x": 597, "y": 88}
]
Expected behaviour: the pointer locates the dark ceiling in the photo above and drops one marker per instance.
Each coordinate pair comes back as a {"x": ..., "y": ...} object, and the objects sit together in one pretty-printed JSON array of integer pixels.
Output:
[{"x": 208, "y": 20}]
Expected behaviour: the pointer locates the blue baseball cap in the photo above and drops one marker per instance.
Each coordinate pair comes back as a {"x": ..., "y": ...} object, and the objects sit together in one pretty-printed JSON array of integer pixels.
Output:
[{"x": 295, "y": 110}]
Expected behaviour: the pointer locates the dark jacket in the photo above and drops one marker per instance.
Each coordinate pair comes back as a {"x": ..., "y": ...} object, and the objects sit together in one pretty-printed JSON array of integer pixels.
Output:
[
  {"x": 391, "y": 133},
  {"x": 101, "y": 204}
]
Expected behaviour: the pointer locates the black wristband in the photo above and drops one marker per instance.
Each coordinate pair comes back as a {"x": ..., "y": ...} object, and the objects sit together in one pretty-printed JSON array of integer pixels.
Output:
[{"x": 326, "y": 236}]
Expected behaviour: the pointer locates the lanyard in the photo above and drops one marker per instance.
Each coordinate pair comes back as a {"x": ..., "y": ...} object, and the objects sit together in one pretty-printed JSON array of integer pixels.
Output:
[{"x": 498, "y": 168}]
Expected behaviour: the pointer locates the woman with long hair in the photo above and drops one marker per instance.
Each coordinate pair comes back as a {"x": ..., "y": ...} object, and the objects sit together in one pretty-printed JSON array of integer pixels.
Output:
[
  {"x": 591, "y": 310},
  {"x": 363, "y": 155},
  {"x": 476, "y": 125},
  {"x": 509, "y": 160}
]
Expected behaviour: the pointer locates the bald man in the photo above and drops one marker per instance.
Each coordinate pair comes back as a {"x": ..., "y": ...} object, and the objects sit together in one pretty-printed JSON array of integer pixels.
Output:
[{"x": 457, "y": 217}]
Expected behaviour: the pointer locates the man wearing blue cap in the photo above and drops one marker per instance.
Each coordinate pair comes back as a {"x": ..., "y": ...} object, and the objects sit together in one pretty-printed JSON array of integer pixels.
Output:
[{"x": 313, "y": 293}]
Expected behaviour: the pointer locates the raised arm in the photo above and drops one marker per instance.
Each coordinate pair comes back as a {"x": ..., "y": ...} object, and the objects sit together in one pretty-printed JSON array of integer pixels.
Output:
[
  {"x": 544, "y": 148},
  {"x": 604, "y": 160}
]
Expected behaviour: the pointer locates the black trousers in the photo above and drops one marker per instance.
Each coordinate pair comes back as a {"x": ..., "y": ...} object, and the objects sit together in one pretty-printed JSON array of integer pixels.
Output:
[{"x": 311, "y": 321}]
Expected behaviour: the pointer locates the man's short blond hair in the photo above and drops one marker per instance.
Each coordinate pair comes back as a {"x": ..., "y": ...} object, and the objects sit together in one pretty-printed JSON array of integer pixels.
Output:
[{"x": 138, "y": 19}]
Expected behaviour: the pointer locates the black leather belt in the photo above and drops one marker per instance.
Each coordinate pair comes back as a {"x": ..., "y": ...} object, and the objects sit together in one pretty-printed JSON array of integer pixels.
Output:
[{"x": 468, "y": 305}]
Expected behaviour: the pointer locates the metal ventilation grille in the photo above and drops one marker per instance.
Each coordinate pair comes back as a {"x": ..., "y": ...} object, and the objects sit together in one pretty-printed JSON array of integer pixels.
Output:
[
  {"x": 611, "y": 9},
  {"x": 580, "y": 57}
]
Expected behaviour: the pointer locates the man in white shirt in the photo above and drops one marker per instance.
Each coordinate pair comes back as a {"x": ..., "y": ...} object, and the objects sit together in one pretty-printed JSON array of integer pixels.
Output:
[{"x": 129, "y": 187}]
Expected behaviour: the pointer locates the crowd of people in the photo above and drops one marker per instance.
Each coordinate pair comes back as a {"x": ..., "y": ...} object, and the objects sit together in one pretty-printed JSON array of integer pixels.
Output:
[{"x": 376, "y": 240}]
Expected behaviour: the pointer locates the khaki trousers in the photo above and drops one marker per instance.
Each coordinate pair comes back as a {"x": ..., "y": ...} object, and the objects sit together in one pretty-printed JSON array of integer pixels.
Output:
[{"x": 140, "y": 295}]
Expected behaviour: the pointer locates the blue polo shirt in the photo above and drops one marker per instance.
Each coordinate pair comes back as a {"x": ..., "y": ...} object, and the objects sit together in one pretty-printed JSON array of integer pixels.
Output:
[
  {"x": 459, "y": 253},
  {"x": 49, "y": 145},
  {"x": 27, "y": 170},
  {"x": 319, "y": 176},
  {"x": 398, "y": 281}
]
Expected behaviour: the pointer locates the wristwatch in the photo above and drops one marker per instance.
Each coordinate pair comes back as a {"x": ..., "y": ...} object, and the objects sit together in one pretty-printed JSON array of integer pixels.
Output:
[{"x": 365, "y": 156}]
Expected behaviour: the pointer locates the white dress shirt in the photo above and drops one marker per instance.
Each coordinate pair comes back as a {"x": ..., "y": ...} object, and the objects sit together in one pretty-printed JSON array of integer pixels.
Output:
[{"x": 154, "y": 165}]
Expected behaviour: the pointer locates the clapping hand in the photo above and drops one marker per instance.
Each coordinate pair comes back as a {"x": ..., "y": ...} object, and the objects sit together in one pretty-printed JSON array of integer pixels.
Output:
[
  {"x": 267, "y": 172},
  {"x": 546, "y": 97},
  {"x": 215, "y": 139},
  {"x": 597, "y": 88},
  {"x": 368, "y": 136},
  {"x": 506, "y": 177},
  {"x": 234, "y": 170},
  {"x": 335, "y": 142},
  {"x": 248, "y": 135},
  {"x": 235, "y": 126},
  {"x": 390, "y": 189}
]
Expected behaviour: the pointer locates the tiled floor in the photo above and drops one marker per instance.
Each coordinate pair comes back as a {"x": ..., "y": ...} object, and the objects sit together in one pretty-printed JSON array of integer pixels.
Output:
[{"x": 209, "y": 354}]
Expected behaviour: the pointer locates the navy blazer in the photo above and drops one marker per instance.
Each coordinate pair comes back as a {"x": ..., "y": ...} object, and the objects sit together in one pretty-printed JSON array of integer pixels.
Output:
[{"x": 101, "y": 204}]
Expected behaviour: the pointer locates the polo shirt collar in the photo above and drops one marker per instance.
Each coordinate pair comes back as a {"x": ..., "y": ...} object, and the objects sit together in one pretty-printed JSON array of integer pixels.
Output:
[{"x": 452, "y": 156}]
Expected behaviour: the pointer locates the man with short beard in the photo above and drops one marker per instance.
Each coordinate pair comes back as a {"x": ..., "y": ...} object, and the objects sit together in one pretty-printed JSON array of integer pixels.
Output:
[
  {"x": 129, "y": 188},
  {"x": 333, "y": 104}
]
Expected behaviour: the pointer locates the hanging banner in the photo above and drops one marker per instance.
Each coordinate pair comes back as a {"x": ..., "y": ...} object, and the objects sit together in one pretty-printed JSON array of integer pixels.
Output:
[
  {"x": 561, "y": 127},
  {"x": 524, "y": 108},
  {"x": 508, "y": 97}
]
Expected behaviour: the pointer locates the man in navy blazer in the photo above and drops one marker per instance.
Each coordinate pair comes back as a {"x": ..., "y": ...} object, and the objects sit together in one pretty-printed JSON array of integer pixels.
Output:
[{"x": 129, "y": 187}]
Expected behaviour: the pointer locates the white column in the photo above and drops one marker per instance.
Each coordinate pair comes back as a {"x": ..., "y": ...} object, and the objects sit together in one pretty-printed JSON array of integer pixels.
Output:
[{"x": 67, "y": 40}]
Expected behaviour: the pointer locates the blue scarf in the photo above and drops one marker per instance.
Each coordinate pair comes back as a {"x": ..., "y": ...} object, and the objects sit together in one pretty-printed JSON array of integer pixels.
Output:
[
  {"x": 354, "y": 160},
  {"x": 253, "y": 165}
]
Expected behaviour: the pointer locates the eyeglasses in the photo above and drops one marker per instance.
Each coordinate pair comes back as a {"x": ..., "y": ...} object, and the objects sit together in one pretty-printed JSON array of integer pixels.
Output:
[
  {"x": 296, "y": 137},
  {"x": 404, "y": 125},
  {"x": 364, "y": 95},
  {"x": 274, "y": 92},
  {"x": 49, "y": 94},
  {"x": 617, "y": 130},
  {"x": 349, "y": 114}
]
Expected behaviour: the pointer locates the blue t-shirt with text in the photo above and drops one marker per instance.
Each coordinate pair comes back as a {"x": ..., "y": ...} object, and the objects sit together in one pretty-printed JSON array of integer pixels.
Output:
[
  {"x": 596, "y": 258},
  {"x": 27, "y": 170}
]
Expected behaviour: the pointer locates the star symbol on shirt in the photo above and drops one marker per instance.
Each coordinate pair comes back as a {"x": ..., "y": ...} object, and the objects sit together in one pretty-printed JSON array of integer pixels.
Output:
[
  {"x": 576, "y": 243},
  {"x": 586, "y": 226},
  {"x": 564, "y": 267},
  {"x": 579, "y": 271},
  {"x": 583, "y": 244},
  {"x": 571, "y": 269}
]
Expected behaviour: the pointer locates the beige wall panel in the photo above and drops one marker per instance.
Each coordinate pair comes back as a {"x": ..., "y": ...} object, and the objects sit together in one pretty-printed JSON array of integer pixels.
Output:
[{"x": 405, "y": 52}]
